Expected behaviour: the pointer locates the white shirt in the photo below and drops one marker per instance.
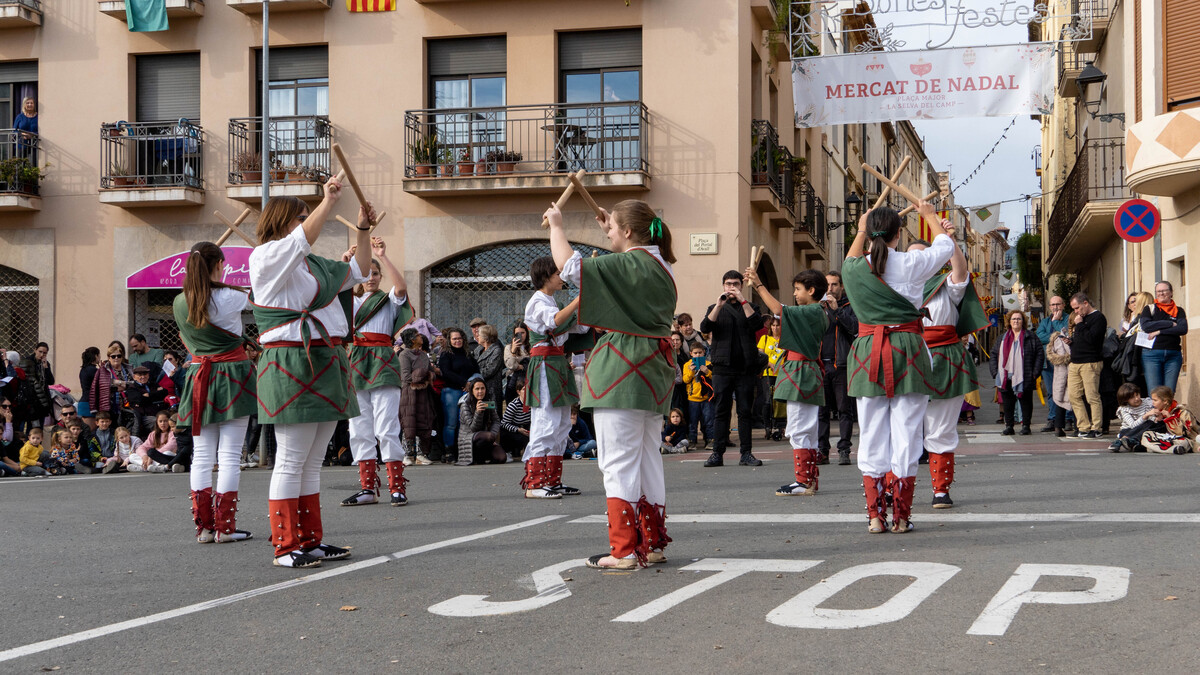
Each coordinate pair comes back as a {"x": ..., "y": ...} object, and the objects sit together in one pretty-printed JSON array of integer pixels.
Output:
[
  {"x": 943, "y": 306},
  {"x": 225, "y": 307},
  {"x": 539, "y": 316},
  {"x": 907, "y": 271},
  {"x": 572, "y": 270},
  {"x": 385, "y": 318},
  {"x": 280, "y": 278}
]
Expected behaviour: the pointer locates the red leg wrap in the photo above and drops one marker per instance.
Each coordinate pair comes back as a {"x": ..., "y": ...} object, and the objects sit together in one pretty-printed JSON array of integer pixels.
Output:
[
  {"x": 623, "y": 535},
  {"x": 652, "y": 524},
  {"x": 874, "y": 489},
  {"x": 902, "y": 498},
  {"x": 309, "y": 520},
  {"x": 807, "y": 471},
  {"x": 368, "y": 475},
  {"x": 396, "y": 480},
  {"x": 202, "y": 509},
  {"x": 285, "y": 524},
  {"x": 226, "y": 512},
  {"x": 553, "y": 475},
  {"x": 941, "y": 471},
  {"x": 533, "y": 473}
]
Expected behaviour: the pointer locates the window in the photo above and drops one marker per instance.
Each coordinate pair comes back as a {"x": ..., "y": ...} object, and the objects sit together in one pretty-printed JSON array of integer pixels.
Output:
[
  {"x": 467, "y": 73},
  {"x": 18, "y": 79},
  {"x": 299, "y": 100},
  {"x": 18, "y": 310},
  {"x": 602, "y": 68}
]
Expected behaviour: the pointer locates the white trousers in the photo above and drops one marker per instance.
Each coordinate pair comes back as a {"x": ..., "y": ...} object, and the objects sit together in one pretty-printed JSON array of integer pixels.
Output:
[
  {"x": 941, "y": 424},
  {"x": 220, "y": 444},
  {"x": 379, "y": 419},
  {"x": 300, "y": 448},
  {"x": 549, "y": 427},
  {"x": 802, "y": 424},
  {"x": 627, "y": 444},
  {"x": 890, "y": 431}
]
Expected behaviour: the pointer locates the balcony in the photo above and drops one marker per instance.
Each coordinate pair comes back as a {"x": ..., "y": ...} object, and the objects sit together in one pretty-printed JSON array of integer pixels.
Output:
[
  {"x": 1081, "y": 221},
  {"x": 811, "y": 223},
  {"x": 1070, "y": 63},
  {"x": 1099, "y": 14},
  {"x": 1037, "y": 160},
  {"x": 20, "y": 13},
  {"x": 152, "y": 164},
  {"x": 526, "y": 149},
  {"x": 1164, "y": 154},
  {"x": 255, "y": 6},
  {"x": 770, "y": 173},
  {"x": 19, "y": 174},
  {"x": 176, "y": 9},
  {"x": 299, "y": 150}
]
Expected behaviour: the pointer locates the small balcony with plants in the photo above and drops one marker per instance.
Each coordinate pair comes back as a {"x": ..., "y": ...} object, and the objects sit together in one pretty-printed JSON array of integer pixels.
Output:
[
  {"x": 1081, "y": 222},
  {"x": 529, "y": 149},
  {"x": 298, "y": 157},
  {"x": 20, "y": 13},
  {"x": 19, "y": 171},
  {"x": 176, "y": 9},
  {"x": 152, "y": 164},
  {"x": 255, "y": 6},
  {"x": 773, "y": 172},
  {"x": 811, "y": 221}
]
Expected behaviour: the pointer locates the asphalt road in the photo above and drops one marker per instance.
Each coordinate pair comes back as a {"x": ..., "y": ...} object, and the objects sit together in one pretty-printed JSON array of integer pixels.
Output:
[{"x": 103, "y": 575}]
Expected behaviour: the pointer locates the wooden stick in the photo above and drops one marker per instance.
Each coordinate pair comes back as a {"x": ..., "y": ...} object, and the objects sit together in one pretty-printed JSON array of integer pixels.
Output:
[
  {"x": 362, "y": 199},
  {"x": 913, "y": 207},
  {"x": 354, "y": 227},
  {"x": 756, "y": 254},
  {"x": 576, "y": 179},
  {"x": 900, "y": 189},
  {"x": 232, "y": 228},
  {"x": 896, "y": 178},
  {"x": 562, "y": 201}
]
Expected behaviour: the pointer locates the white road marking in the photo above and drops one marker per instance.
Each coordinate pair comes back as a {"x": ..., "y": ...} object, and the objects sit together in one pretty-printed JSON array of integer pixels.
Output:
[
  {"x": 47, "y": 645},
  {"x": 988, "y": 437},
  {"x": 1016, "y": 454},
  {"x": 1112, "y": 583},
  {"x": 803, "y": 610},
  {"x": 836, "y": 518},
  {"x": 547, "y": 582},
  {"x": 727, "y": 569}
]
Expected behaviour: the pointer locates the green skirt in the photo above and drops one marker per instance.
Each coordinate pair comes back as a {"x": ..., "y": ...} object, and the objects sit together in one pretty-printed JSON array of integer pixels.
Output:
[
  {"x": 628, "y": 372},
  {"x": 291, "y": 391},
  {"x": 953, "y": 372},
  {"x": 374, "y": 367},
  {"x": 232, "y": 394}
]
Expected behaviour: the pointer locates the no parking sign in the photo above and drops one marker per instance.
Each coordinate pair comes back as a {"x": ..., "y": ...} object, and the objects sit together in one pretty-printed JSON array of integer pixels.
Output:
[{"x": 1137, "y": 220}]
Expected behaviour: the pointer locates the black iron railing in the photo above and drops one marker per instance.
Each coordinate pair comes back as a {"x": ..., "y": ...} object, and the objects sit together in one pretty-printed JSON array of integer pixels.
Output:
[
  {"x": 810, "y": 216},
  {"x": 35, "y": 5},
  {"x": 298, "y": 147},
  {"x": 151, "y": 154},
  {"x": 1098, "y": 175},
  {"x": 19, "y": 172},
  {"x": 1095, "y": 10},
  {"x": 1070, "y": 60},
  {"x": 526, "y": 139},
  {"x": 770, "y": 162}
]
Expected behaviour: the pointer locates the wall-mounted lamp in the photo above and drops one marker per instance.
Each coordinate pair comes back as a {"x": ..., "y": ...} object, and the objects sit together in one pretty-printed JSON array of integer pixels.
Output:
[
  {"x": 853, "y": 210},
  {"x": 1091, "y": 93}
]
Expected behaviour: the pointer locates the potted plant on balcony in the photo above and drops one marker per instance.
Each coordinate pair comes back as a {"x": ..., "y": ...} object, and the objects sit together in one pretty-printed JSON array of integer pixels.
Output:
[
  {"x": 506, "y": 160},
  {"x": 248, "y": 165},
  {"x": 16, "y": 175},
  {"x": 120, "y": 174},
  {"x": 445, "y": 162},
  {"x": 425, "y": 152},
  {"x": 466, "y": 166}
]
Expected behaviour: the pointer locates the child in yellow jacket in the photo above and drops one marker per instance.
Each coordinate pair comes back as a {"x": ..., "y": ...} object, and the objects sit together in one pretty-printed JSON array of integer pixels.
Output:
[
  {"x": 31, "y": 455},
  {"x": 697, "y": 377}
]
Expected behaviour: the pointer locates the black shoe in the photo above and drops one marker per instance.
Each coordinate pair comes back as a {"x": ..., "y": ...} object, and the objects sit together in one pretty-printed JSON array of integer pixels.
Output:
[
  {"x": 749, "y": 460},
  {"x": 1049, "y": 427},
  {"x": 566, "y": 490},
  {"x": 1060, "y": 433},
  {"x": 399, "y": 499},
  {"x": 1095, "y": 434},
  {"x": 822, "y": 458},
  {"x": 296, "y": 559},
  {"x": 360, "y": 498},
  {"x": 1008, "y": 431},
  {"x": 1083, "y": 434},
  {"x": 1116, "y": 446},
  {"x": 714, "y": 460},
  {"x": 942, "y": 501},
  {"x": 844, "y": 458},
  {"x": 777, "y": 436},
  {"x": 327, "y": 552},
  {"x": 1025, "y": 430}
]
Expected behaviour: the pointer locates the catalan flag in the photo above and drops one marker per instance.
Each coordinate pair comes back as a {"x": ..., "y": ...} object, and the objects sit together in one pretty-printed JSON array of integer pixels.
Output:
[
  {"x": 925, "y": 232},
  {"x": 370, "y": 5}
]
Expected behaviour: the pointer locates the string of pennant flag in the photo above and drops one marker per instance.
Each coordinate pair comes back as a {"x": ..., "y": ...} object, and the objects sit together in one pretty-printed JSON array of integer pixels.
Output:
[{"x": 1003, "y": 135}]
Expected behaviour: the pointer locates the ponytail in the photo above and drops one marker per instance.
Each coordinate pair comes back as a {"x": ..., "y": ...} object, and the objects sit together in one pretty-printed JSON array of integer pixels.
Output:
[
  {"x": 883, "y": 225},
  {"x": 645, "y": 227},
  {"x": 197, "y": 282}
]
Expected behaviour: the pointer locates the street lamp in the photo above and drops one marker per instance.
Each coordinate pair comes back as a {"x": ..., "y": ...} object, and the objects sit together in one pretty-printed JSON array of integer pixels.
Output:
[
  {"x": 1091, "y": 79},
  {"x": 853, "y": 210}
]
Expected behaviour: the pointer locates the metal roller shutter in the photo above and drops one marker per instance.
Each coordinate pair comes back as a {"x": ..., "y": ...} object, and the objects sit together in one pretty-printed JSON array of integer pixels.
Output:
[
  {"x": 168, "y": 87},
  {"x": 600, "y": 49},
  {"x": 468, "y": 56},
  {"x": 18, "y": 71},
  {"x": 1181, "y": 54},
  {"x": 295, "y": 63}
]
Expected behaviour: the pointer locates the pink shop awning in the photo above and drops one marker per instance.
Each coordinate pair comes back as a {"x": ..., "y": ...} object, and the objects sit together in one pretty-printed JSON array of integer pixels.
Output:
[{"x": 169, "y": 272}]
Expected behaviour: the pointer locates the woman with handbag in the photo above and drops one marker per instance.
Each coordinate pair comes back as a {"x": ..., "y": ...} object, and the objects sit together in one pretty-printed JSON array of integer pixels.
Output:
[{"x": 1058, "y": 353}]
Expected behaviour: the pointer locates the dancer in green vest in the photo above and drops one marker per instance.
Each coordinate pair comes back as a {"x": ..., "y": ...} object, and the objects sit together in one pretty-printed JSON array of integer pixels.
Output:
[
  {"x": 630, "y": 375},
  {"x": 302, "y": 303},
  {"x": 375, "y": 374},
  {"x": 219, "y": 392},
  {"x": 954, "y": 312},
  {"x": 889, "y": 362},
  {"x": 801, "y": 381}
]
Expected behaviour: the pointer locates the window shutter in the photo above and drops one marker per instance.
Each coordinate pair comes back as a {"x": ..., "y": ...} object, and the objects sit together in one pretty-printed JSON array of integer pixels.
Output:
[
  {"x": 1181, "y": 54},
  {"x": 168, "y": 87},
  {"x": 295, "y": 63},
  {"x": 18, "y": 71},
  {"x": 600, "y": 49},
  {"x": 468, "y": 56}
]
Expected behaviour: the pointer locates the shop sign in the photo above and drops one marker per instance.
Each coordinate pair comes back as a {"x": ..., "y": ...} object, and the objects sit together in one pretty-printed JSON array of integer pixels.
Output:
[{"x": 169, "y": 272}]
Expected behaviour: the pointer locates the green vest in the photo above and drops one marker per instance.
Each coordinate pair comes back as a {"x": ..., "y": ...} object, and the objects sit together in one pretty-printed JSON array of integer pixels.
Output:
[
  {"x": 307, "y": 383},
  {"x": 876, "y": 304},
  {"x": 373, "y": 367},
  {"x": 632, "y": 296},
  {"x": 954, "y": 373},
  {"x": 560, "y": 376},
  {"x": 231, "y": 387},
  {"x": 802, "y": 380}
]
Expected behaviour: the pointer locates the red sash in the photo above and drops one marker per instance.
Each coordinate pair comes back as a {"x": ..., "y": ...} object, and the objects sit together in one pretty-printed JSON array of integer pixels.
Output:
[
  {"x": 940, "y": 336},
  {"x": 797, "y": 356},
  {"x": 201, "y": 379},
  {"x": 881, "y": 350},
  {"x": 333, "y": 342},
  {"x": 373, "y": 340},
  {"x": 546, "y": 350}
]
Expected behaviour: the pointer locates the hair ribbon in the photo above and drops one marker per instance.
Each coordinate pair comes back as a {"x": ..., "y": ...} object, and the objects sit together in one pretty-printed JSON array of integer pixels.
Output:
[{"x": 656, "y": 229}]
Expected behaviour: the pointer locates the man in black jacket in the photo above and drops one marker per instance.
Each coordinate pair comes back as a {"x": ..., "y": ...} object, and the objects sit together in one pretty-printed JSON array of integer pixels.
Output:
[
  {"x": 1087, "y": 359},
  {"x": 734, "y": 355},
  {"x": 835, "y": 347}
]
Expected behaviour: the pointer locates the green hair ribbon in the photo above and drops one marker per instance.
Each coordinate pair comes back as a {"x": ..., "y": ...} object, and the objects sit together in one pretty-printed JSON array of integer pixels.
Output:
[
  {"x": 878, "y": 233},
  {"x": 656, "y": 229}
]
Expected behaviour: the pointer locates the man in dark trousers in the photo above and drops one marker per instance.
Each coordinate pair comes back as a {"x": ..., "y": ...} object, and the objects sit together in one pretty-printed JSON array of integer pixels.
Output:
[
  {"x": 835, "y": 347},
  {"x": 732, "y": 321}
]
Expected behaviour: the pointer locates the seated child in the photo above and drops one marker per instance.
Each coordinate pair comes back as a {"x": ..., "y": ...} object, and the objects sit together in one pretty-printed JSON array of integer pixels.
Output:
[
  {"x": 580, "y": 444},
  {"x": 674, "y": 434},
  {"x": 33, "y": 457},
  {"x": 126, "y": 449},
  {"x": 64, "y": 455},
  {"x": 107, "y": 441},
  {"x": 1180, "y": 435},
  {"x": 1134, "y": 413},
  {"x": 90, "y": 457}
]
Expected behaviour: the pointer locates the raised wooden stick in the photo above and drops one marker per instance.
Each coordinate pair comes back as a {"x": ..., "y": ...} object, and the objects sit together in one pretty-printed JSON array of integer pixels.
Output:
[
  {"x": 895, "y": 178},
  {"x": 900, "y": 189},
  {"x": 354, "y": 227},
  {"x": 576, "y": 180},
  {"x": 232, "y": 227},
  {"x": 562, "y": 201},
  {"x": 913, "y": 207},
  {"x": 756, "y": 254},
  {"x": 362, "y": 199}
]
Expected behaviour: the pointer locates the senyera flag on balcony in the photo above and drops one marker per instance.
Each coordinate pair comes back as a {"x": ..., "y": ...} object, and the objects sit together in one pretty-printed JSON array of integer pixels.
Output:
[
  {"x": 932, "y": 84},
  {"x": 370, "y": 5}
]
